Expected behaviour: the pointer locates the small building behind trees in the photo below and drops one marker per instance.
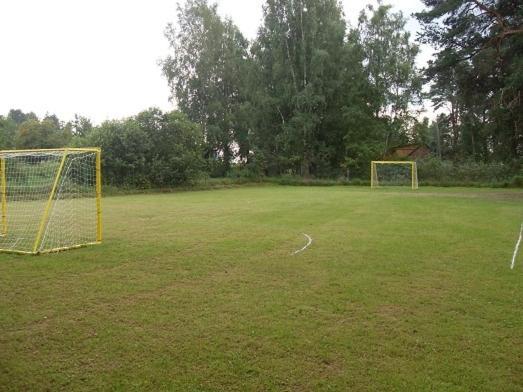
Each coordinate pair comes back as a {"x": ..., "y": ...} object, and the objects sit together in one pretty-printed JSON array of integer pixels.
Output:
[{"x": 409, "y": 151}]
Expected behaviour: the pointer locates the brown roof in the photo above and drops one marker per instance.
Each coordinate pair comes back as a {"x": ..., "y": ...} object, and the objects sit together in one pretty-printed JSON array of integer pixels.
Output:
[{"x": 410, "y": 150}]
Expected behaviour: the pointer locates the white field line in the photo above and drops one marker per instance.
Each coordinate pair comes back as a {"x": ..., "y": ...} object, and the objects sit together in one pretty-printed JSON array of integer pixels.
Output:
[
  {"x": 309, "y": 239},
  {"x": 517, "y": 248}
]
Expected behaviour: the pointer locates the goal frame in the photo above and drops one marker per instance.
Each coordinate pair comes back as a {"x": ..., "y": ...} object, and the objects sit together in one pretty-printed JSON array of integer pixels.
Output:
[
  {"x": 374, "y": 182},
  {"x": 45, "y": 215}
]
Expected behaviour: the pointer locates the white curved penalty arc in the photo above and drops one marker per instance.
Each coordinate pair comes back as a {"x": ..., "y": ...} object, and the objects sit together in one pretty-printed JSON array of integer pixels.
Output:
[
  {"x": 515, "y": 255},
  {"x": 309, "y": 242}
]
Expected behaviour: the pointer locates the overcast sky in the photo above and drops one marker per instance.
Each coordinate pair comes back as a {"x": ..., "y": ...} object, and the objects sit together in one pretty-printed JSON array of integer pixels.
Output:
[{"x": 99, "y": 58}]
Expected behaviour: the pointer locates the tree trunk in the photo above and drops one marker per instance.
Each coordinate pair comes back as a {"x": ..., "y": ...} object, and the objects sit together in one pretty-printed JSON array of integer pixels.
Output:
[{"x": 305, "y": 167}]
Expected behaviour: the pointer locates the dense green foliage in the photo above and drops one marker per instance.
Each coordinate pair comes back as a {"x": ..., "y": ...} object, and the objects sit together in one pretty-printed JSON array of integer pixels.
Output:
[
  {"x": 477, "y": 75},
  {"x": 434, "y": 171},
  {"x": 314, "y": 97},
  {"x": 299, "y": 59},
  {"x": 150, "y": 149},
  {"x": 198, "y": 291},
  {"x": 311, "y": 97},
  {"x": 206, "y": 74},
  {"x": 24, "y": 130}
]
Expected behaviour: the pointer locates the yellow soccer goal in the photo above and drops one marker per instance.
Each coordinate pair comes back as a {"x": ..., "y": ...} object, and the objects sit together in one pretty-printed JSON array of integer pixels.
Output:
[
  {"x": 51, "y": 199},
  {"x": 393, "y": 173}
]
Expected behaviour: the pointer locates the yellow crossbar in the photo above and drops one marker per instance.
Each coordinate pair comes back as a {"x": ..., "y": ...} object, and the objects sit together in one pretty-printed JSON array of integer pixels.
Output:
[
  {"x": 396, "y": 162},
  {"x": 86, "y": 149}
]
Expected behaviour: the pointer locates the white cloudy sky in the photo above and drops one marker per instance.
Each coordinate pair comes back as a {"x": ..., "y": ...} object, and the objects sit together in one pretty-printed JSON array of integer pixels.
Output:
[{"x": 99, "y": 58}]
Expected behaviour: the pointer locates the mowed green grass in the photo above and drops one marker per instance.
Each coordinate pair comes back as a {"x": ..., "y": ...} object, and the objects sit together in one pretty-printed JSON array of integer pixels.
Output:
[{"x": 199, "y": 291}]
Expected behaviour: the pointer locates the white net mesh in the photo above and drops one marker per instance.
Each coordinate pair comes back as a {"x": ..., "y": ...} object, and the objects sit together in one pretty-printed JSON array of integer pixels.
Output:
[
  {"x": 394, "y": 174},
  {"x": 48, "y": 200}
]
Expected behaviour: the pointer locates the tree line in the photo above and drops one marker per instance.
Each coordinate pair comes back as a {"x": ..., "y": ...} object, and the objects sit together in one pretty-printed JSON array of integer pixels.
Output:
[
  {"x": 151, "y": 149},
  {"x": 314, "y": 96}
]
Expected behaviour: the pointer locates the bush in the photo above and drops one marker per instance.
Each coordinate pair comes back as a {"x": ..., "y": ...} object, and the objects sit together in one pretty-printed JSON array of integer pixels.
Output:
[
  {"x": 517, "y": 181},
  {"x": 433, "y": 171},
  {"x": 152, "y": 149}
]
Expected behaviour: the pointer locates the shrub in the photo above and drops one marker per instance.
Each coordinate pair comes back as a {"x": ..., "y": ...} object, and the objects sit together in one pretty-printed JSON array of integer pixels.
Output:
[
  {"x": 152, "y": 149},
  {"x": 433, "y": 171}
]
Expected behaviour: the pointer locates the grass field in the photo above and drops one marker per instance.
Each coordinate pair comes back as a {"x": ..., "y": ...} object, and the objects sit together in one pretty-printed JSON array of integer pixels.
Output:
[{"x": 199, "y": 291}]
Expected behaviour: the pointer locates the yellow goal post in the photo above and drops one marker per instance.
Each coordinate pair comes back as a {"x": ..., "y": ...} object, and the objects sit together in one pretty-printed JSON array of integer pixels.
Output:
[
  {"x": 50, "y": 199},
  {"x": 412, "y": 172}
]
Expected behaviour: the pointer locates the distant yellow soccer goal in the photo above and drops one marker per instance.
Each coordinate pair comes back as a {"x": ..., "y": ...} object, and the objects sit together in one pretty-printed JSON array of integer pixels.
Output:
[
  {"x": 50, "y": 199},
  {"x": 393, "y": 173}
]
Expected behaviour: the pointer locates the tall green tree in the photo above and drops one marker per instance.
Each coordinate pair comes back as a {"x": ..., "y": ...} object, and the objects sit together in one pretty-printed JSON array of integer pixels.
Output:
[
  {"x": 363, "y": 132},
  {"x": 478, "y": 73},
  {"x": 390, "y": 63},
  {"x": 7, "y": 133},
  {"x": 18, "y": 116},
  {"x": 206, "y": 73},
  {"x": 81, "y": 126},
  {"x": 41, "y": 134},
  {"x": 298, "y": 55}
]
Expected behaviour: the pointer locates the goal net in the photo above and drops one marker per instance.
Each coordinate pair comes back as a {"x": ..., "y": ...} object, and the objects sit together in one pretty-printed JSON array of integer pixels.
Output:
[
  {"x": 50, "y": 199},
  {"x": 394, "y": 173}
]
